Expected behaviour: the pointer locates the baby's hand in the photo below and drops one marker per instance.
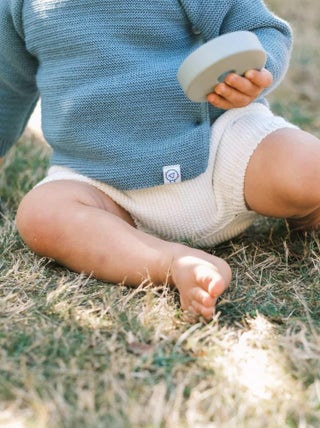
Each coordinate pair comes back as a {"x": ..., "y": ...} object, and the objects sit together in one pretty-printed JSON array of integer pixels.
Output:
[{"x": 239, "y": 91}]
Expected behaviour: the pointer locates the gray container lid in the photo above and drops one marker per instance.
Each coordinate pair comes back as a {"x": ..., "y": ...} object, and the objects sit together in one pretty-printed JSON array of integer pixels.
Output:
[{"x": 208, "y": 65}]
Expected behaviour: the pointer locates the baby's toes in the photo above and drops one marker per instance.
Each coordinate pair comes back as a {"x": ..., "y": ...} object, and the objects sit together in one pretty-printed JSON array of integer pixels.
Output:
[
  {"x": 210, "y": 280},
  {"x": 206, "y": 311},
  {"x": 202, "y": 297},
  {"x": 217, "y": 286}
]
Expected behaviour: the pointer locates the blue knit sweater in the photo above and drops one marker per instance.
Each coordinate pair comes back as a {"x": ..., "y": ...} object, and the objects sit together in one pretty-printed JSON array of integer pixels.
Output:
[{"x": 106, "y": 73}]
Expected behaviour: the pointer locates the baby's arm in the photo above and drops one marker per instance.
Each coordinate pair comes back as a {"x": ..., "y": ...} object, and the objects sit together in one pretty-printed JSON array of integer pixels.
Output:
[
  {"x": 18, "y": 89},
  {"x": 239, "y": 91},
  {"x": 274, "y": 34},
  {"x": 1, "y": 209}
]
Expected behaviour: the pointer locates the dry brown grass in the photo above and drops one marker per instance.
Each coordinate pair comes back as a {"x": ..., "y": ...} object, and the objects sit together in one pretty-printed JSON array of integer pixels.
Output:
[{"x": 78, "y": 352}]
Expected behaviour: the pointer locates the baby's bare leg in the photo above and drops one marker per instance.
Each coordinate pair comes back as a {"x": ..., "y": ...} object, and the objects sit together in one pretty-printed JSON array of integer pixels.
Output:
[
  {"x": 83, "y": 229},
  {"x": 283, "y": 178}
]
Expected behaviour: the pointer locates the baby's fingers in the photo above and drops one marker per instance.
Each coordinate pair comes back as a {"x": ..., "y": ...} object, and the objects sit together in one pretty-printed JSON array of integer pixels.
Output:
[{"x": 260, "y": 78}]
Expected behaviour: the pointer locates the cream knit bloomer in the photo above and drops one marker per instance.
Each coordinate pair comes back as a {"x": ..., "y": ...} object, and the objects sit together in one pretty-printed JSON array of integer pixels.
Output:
[{"x": 210, "y": 208}]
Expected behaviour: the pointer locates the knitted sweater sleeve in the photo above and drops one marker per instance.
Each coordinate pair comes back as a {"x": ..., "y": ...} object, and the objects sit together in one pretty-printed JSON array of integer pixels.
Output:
[
  {"x": 18, "y": 91},
  {"x": 214, "y": 18}
]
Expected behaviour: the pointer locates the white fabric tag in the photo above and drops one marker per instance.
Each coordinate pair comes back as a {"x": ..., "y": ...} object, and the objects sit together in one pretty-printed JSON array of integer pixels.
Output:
[{"x": 171, "y": 174}]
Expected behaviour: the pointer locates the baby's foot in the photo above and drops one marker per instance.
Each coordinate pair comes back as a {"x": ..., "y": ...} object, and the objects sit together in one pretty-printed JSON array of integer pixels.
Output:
[{"x": 200, "y": 282}]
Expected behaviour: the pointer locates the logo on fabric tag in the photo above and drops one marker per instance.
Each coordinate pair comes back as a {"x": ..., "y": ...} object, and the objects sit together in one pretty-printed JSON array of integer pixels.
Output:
[{"x": 171, "y": 174}]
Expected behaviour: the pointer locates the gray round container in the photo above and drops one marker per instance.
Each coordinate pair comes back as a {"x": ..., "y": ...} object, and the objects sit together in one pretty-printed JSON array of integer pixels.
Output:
[{"x": 208, "y": 65}]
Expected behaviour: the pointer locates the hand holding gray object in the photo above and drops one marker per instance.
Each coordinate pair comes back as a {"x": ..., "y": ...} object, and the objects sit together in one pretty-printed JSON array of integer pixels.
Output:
[{"x": 208, "y": 65}]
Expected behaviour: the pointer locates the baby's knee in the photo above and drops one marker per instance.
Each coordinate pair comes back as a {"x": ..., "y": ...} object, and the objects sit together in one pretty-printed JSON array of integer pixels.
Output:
[
  {"x": 33, "y": 221},
  {"x": 283, "y": 175}
]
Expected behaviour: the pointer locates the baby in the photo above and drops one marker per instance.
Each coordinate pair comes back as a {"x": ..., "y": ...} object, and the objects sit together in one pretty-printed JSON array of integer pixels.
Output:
[{"x": 143, "y": 180}]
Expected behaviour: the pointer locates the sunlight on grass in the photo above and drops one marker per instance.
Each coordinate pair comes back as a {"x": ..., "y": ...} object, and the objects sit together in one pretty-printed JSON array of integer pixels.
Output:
[
  {"x": 9, "y": 420},
  {"x": 254, "y": 367}
]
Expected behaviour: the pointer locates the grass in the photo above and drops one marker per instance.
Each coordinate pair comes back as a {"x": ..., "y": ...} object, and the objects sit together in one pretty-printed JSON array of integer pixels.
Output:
[{"x": 78, "y": 352}]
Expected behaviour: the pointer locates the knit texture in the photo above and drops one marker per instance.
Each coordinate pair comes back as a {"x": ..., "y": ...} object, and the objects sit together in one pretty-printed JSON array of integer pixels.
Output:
[
  {"x": 210, "y": 208},
  {"x": 112, "y": 108}
]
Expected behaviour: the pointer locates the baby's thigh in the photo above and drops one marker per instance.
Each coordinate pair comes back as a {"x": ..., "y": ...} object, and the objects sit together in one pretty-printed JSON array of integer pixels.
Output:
[
  {"x": 52, "y": 206},
  {"x": 59, "y": 195}
]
